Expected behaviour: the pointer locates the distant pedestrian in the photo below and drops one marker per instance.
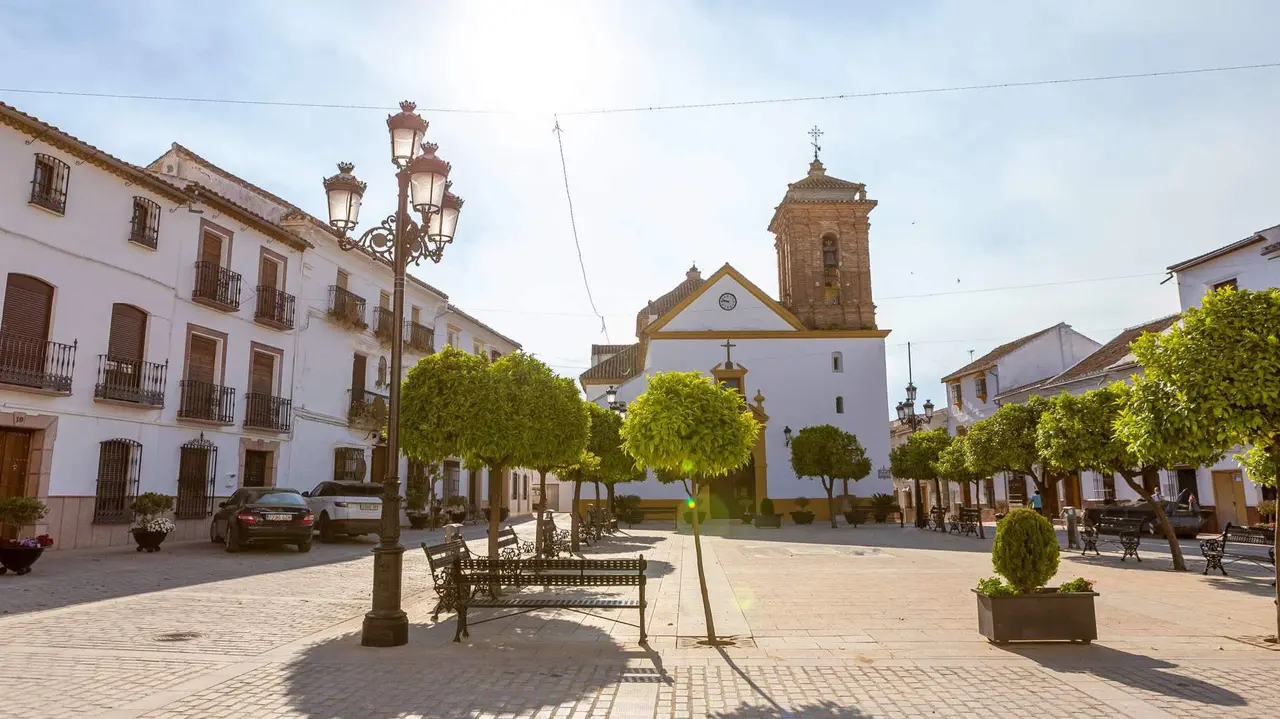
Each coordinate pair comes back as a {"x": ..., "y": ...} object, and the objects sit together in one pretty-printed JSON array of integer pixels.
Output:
[{"x": 1037, "y": 503}]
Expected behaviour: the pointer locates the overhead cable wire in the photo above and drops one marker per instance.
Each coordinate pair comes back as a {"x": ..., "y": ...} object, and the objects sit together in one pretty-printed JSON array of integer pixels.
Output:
[{"x": 573, "y": 224}]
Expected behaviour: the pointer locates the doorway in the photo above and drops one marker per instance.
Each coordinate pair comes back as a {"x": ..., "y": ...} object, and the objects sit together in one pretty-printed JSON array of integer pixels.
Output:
[
  {"x": 15, "y": 448},
  {"x": 1228, "y": 497},
  {"x": 255, "y": 468},
  {"x": 729, "y": 491},
  {"x": 1072, "y": 492}
]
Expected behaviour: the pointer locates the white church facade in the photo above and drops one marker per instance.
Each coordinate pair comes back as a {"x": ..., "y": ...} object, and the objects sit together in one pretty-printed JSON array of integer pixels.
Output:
[{"x": 813, "y": 356}]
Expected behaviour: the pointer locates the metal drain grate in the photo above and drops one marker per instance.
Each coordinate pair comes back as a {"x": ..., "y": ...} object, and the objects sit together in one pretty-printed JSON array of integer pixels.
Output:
[
  {"x": 692, "y": 642},
  {"x": 178, "y": 636}
]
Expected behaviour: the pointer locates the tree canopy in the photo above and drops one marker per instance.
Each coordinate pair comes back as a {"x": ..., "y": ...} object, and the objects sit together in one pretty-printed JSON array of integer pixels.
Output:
[
  {"x": 916, "y": 458},
  {"x": 952, "y": 464},
  {"x": 437, "y": 401},
  {"x": 684, "y": 422},
  {"x": 830, "y": 453}
]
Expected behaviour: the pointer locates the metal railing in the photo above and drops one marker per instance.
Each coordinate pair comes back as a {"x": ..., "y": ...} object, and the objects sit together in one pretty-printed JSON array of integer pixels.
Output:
[
  {"x": 367, "y": 406},
  {"x": 144, "y": 228},
  {"x": 206, "y": 401},
  {"x": 33, "y": 362},
  {"x": 346, "y": 306},
  {"x": 274, "y": 307},
  {"x": 126, "y": 380},
  {"x": 217, "y": 285},
  {"x": 265, "y": 411},
  {"x": 419, "y": 337},
  {"x": 383, "y": 323}
]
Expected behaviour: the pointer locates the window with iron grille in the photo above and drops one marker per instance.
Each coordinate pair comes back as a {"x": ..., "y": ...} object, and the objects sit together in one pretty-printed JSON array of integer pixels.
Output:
[
  {"x": 980, "y": 387},
  {"x": 515, "y": 486},
  {"x": 119, "y": 467},
  {"x": 144, "y": 229},
  {"x": 197, "y": 469},
  {"x": 348, "y": 464},
  {"x": 526, "y": 487},
  {"x": 49, "y": 183},
  {"x": 452, "y": 479}
]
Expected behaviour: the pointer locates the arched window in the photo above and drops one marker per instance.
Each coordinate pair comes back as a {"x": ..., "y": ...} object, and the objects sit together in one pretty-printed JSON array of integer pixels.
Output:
[
  {"x": 382, "y": 371},
  {"x": 830, "y": 251},
  {"x": 839, "y": 405},
  {"x": 837, "y": 362}
]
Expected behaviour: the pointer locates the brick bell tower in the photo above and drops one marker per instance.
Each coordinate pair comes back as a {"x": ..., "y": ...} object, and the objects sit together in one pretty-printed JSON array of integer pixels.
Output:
[{"x": 824, "y": 259}]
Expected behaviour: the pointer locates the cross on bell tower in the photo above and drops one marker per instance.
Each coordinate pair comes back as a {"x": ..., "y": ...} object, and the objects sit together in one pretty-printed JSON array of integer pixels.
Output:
[
  {"x": 815, "y": 133},
  {"x": 728, "y": 353}
]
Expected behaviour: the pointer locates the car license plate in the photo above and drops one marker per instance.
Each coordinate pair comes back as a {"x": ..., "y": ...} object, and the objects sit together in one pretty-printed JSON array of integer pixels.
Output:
[
  {"x": 371, "y": 507},
  {"x": 278, "y": 517}
]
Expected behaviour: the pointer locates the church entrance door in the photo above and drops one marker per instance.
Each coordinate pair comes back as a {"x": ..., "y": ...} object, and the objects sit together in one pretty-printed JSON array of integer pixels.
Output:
[{"x": 728, "y": 491}]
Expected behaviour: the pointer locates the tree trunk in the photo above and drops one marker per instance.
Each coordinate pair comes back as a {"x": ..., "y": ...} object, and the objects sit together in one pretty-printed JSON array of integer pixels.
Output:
[
  {"x": 573, "y": 521},
  {"x": 540, "y": 550},
  {"x": 495, "y": 508},
  {"x": 1179, "y": 563},
  {"x": 609, "y": 488},
  {"x": 937, "y": 491},
  {"x": 919, "y": 514},
  {"x": 702, "y": 574},
  {"x": 1275, "y": 460},
  {"x": 845, "y": 494},
  {"x": 830, "y": 486}
]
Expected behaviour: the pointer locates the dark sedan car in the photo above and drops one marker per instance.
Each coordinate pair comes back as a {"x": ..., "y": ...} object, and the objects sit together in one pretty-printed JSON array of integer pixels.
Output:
[{"x": 263, "y": 515}]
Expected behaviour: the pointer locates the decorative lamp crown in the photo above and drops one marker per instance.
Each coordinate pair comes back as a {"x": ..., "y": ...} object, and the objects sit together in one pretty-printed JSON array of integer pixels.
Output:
[{"x": 406, "y": 128}]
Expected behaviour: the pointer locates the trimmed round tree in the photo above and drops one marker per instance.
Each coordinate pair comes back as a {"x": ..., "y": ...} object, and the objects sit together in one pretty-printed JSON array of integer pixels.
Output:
[
  {"x": 687, "y": 424},
  {"x": 832, "y": 454},
  {"x": 952, "y": 465},
  {"x": 1025, "y": 552},
  {"x": 915, "y": 460},
  {"x": 1006, "y": 442},
  {"x": 563, "y": 423},
  {"x": 1209, "y": 383}
]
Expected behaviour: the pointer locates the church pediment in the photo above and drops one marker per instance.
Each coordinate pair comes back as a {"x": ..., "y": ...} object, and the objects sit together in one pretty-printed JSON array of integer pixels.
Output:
[{"x": 727, "y": 301}]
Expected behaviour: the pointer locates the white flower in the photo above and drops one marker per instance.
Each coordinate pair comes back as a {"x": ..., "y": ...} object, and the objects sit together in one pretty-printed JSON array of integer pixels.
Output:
[{"x": 153, "y": 524}]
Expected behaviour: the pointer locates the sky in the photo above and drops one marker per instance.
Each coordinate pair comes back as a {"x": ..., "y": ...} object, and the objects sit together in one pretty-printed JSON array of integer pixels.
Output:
[{"x": 1076, "y": 195}]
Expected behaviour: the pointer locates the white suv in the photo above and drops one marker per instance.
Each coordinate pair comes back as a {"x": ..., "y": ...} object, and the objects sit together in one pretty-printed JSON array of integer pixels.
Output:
[{"x": 350, "y": 508}]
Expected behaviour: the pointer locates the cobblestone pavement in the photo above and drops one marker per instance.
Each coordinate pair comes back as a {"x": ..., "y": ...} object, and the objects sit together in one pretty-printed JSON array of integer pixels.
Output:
[{"x": 869, "y": 622}]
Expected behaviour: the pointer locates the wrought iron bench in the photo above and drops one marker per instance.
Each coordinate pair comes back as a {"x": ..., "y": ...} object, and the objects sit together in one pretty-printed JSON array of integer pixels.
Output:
[
  {"x": 970, "y": 521},
  {"x": 938, "y": 519},
  {"x": 440, "y": 561},
  {"x": 1244, "y": 540},
  {"x": 468, "y": 574},
  {"x": 554, "y": 540},
  {"x": 1127, "y": 532},
  {"x": 510, "y": 546}
]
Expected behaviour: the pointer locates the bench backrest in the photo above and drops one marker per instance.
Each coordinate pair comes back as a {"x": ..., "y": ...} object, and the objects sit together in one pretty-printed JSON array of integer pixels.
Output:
[
  {"x": 1116, "y": 525},
  {"x": 441, "y": 555},
  {"x": 551, "y": 572},
  {"x": 1244, "y": 535},
  {"x": 970, "y": 514},
  {"x": 938, "y": 512},
  {"x": 507, "y": 537}
]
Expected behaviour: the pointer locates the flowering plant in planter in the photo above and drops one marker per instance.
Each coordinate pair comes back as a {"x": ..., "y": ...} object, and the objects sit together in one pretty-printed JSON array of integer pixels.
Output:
[
  {"x": 43, "y": 541},
  {"x": 150, "y": 526},
  {"x": 161, "y": 525},
  {"x": 17, "y": 555}
]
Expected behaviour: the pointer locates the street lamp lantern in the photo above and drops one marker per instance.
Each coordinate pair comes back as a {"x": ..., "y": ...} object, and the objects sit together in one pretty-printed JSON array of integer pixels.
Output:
[
  {"x": 441, "y": 226},
  {"x": 911, "y": 392},
  {"x": 406, "y": 129},
  {"x": 928, "y": 410},
  {"x": 345, "y": 193},
  {"x": 902, "y": 411},
  {"x": 786, "y": 433},
  {"x": 428, "y": 178},
  {"x": 611, "y": 396}
]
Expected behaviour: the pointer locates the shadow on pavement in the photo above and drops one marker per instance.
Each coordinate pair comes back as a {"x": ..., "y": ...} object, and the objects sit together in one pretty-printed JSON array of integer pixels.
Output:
[
  {"x": 1131, "y": 670},
  {"x": 816, "y": 710}
]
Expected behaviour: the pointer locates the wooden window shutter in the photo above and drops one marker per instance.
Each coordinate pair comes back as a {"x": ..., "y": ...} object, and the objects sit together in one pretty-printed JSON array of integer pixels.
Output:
[
  {"x": 28, "y": 303},
  {"x": 202, "y": 359},
  {"x": 211, "y": 249},
  {"x": 342, "y": 279},
  {"x": 262, "y": 379},
  {"x": 128, "y": 332},
  {"x": 357, "y": 375},
  {"x": 269, "y": 273}
]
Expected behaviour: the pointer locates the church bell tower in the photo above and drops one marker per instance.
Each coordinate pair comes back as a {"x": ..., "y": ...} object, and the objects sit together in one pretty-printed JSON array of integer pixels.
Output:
[{"x": 824, "y": 260}]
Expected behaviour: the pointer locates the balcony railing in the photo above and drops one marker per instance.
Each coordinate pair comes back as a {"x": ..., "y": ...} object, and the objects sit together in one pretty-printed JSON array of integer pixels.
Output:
[
  {"x": 383, "y": 323},
  {"x": 36, "y": 363},
  {"x": 264, "y": 411},
  {"x": 346, "y": 307},
  {"x": 207, "y": 402},
  {"x": 274, "y": 308},
  {"x": 217, "y": 286},
  {"x": 367, "y": 409},
  {"x": 127, "y": 380},
  {"x": 419, "y": 337}
]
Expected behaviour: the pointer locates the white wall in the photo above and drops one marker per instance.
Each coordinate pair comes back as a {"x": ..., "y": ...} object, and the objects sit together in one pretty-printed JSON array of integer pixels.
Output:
[
  {"x": 705, "y": 313},
  {"x": 1246, "y": 265}
]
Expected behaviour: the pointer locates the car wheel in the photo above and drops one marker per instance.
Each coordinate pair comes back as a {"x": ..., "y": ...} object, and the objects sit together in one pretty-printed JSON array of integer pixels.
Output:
[
  {"x": 232, "y": 542},
  {"x": 326, "y": 529},
  {"x": 213, "y": 533},
  {"x": 304, "y": 547}
]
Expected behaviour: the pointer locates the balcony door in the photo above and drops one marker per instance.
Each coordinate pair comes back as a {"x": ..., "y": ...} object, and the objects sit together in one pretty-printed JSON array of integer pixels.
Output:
[
  {"x": 262, "y": 375},
  {"x": 24, "y": 329},
  {"x": 125, "y": 347},
  {"x": 199, "y": 399},
  {"x": 357, "y": 378},
  {"x": 211, "y": 249}
]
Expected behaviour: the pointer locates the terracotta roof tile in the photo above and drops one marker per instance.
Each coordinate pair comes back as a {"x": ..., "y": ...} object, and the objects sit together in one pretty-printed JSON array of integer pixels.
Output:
[
  {"x": 1022, "y": 388},
  {"x": 607, "y": 349},
  {"x": 618, "y": 368},
  {"x": 1111, "y": 353},
  {"x": 990, "y": 358},
  {"x": 662, "y": 305}
]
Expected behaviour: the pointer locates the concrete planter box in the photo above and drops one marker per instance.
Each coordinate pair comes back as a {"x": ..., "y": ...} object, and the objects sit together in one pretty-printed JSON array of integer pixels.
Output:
[
  {"x": 772, "y": 521},
  {"x": 1044, "y": 616}
]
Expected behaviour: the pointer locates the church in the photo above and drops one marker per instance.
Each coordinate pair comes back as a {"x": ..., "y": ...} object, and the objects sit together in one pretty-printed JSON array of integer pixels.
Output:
[{"x": 814, "y": 355}]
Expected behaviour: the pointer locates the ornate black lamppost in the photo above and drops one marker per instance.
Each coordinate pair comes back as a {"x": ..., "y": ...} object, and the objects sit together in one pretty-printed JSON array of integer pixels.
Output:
[
  {"x": 914, "y": 422},
  {"x": 611, "y": 397},
  {"x": 398, "y": 240}
]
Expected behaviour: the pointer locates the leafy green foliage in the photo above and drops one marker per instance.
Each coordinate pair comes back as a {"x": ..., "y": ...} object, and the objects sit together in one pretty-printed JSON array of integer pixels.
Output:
[
  {"x": 830, "y": 452},
  {"x": 802, "y": 503},
  {"x": 1079, "y": 584},
  {"x": 916, "y": 458},
  {"x": 22, "y": 510},
  {"x": 766, "y": 508},
  {"x": 1026, "y": 550},
  {"x": 952, "y": 464},
  {"x": 562, "y": 420},
  {"x": 1258, "y": 465},
  {"x": 1006, "y": 441},
  {"x": 150, "y": 504},
  {"x": 437, "y": 402},
  {"x": 881, "y": 505},
  {"x": 1267, "y": 510},
  {"x": 995, "y": 587}
]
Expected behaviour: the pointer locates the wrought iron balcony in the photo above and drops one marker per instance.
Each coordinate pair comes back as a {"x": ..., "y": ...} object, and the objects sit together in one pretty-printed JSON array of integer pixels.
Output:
[
  {"x": 367, "y": 409},
  {"x": 383, "y": 323},
  {"x": 274, "y": 308},
  {"x": 419, "y": 337},
  {"x": 134, "y": 381},
  {"x": 217, "y": 287},
  {"x": 36, "y": 363},
  {"x": 264, "y": 411},
  {"x": 144, "y": 228},
  {"x": 346, "y": 307},
  {"x": 207, "y": 402}
]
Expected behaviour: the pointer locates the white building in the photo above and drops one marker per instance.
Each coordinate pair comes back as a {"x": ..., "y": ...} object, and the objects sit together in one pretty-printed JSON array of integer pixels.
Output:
[
  {"x": 815, "y": 357},
  {"x": 179, "y": 330}
]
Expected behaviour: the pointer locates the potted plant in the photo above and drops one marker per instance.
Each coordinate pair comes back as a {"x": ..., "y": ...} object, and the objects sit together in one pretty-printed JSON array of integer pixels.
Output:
[
  {"x": 457, "y": 508},
  {"x": 801, "y": 515},
  {"x": 1021, "y": 608},
  {"x": 688, "y": 516},
  {"x": 150, "y": 526},
  {"x": 416, "y": 509},
  {"x": 629, "y": 509},
  {"x": 854, "y": 513},
  {"x": 748, "y": 510},
  {"x": 17, "y": 555},
  {"x": 767, "y": 517},
  {"x": 881, "y": 506},
  {"x": 1267, "y": 513}
]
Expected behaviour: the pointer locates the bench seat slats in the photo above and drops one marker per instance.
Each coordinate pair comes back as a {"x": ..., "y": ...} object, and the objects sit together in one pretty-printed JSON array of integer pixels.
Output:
[{"x": 556, "y": 603}]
